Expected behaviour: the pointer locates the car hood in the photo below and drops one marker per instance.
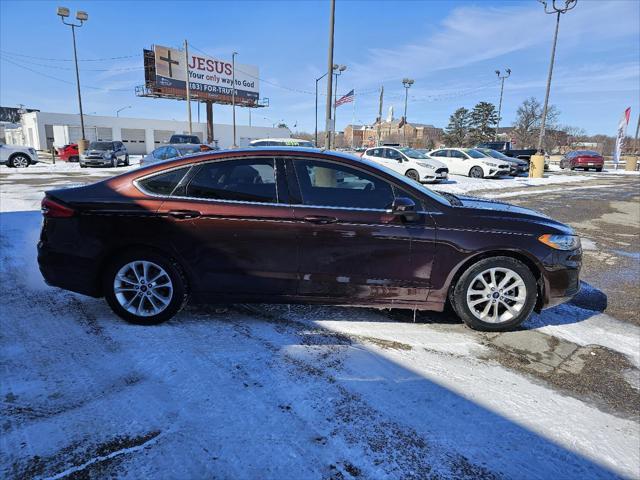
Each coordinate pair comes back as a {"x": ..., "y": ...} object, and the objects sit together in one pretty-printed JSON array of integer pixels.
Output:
[
  {"x": 483, "y": 207},
  {"x": 431, "y": 161}
]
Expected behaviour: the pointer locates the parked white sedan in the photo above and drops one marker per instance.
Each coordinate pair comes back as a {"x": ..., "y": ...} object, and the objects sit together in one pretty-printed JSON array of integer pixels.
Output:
[
  {"x": 470, "y": 162},
  {"x": 409, "y": 162}
]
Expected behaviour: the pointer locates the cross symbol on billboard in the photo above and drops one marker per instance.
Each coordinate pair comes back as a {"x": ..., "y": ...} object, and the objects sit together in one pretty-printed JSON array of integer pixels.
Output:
[{"x": 170, "y": 61}]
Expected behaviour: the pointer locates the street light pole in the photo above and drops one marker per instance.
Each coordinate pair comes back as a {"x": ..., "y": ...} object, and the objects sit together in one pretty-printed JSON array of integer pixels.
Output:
[
  {"x": 188, "y": 84},
  {"x": 120, "y": 109},
  {"x": 568, "y": 5},
  {"x": 406, "y": 83},
  {"x": 317, "y": 80},
  {"x": 337, "y": 70},
  {"x": 82, "y": 17},
  {"x": 233, "y": 94},
  {"x": 502, "y": 78},
  {"x": 327, "y": 137}
]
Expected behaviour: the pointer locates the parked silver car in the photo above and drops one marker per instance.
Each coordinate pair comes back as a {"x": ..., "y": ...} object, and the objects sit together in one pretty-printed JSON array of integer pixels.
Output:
[
  {"x": 17, "y": 156},
  {"x": 105, "y": 154},
  {"x": 167, "y": 152}
]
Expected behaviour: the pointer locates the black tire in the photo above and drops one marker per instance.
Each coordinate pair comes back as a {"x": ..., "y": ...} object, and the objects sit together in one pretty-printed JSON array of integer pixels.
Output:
[
  {"x": 476, "y": 172},
  {"x": 126, "y": 160},
  {"x": 20, "y": 161},
  {"x": 74, "y": 159},
  {"x": 599, "y": 169},
  {"x": 179, "y": 296},
  {"x": 413, "y": 175},
  {"x": 114, "y": 162},
  {"x": 83, "y": 166},
  {"x": 458, "y": 295}
]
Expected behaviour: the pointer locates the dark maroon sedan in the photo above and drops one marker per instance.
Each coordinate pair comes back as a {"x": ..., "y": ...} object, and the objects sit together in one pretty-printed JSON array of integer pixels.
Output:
[
  {"x": 584, "y": 159},
  {"x": 285, "y": 225}
]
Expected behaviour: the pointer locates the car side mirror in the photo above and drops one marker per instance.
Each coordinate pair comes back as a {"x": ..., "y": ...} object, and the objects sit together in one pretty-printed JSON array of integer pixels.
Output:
[{"x": 404, "y": 207}]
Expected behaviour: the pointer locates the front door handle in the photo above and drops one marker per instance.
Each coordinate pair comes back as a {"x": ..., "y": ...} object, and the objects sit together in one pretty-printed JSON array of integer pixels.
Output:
[
  {"x": 184, "y": 214},
  {"x": 320, "y": 220}
]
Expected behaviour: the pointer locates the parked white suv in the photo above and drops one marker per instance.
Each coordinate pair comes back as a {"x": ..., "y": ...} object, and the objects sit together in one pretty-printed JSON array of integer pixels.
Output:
[
  {"x": 17, "y": 156},
  {"x": 470, "y": 162},
  {"x": 409, "y": 162}
]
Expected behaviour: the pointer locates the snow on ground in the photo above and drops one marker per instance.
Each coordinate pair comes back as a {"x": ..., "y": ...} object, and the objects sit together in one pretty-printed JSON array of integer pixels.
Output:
[{"x": 282, "y": 391}]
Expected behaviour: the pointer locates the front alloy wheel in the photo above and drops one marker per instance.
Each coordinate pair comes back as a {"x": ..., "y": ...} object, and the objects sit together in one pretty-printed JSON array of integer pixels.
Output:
[
  {"x": 497, "y": 293},
  {"x": 476, "y": 172},
  {"x": 145, "y": 289},
  {"x": 19, "y": 161},
  {"x": 413, "y": 175}
]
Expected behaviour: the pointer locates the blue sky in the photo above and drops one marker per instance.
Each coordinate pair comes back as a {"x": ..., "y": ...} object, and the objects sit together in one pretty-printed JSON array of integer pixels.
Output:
[{"x": 451, "y": 49}]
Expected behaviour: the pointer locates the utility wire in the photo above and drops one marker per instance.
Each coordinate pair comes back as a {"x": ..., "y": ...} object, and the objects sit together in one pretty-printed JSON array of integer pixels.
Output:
[
  {"x": 58, "y": 67},
  {"x": 61, "y": 79},
  {"x": 14, "y": 54}
]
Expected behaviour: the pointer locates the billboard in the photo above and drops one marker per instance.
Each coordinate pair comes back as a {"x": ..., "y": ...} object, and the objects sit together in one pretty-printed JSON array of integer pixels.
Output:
[{"x": 210, "y": 78}]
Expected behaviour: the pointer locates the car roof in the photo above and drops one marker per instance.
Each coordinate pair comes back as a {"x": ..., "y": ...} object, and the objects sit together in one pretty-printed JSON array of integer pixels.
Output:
[{"x": 280, "y": 140}]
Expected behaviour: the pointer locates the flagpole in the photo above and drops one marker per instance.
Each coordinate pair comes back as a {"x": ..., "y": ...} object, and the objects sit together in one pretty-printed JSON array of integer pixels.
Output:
[{"x": 353, "y": 121}]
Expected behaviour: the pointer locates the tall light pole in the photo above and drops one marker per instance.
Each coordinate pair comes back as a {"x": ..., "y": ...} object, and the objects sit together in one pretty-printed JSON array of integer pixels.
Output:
[
  {"x": 63, "y": 12},
  {"x": 233, "y": 95},
  {"x": 337, "y": 70},
  {"x": 557, "y": 10},
  {"x": 502, "y": 77},
  {"x": 406, "y": 83},
  {"x": 317, "y": 80},
  {"x": 188, "y": 85},
  {"x": 328, "y": 127},
  {"x": 120, "y": 109}
]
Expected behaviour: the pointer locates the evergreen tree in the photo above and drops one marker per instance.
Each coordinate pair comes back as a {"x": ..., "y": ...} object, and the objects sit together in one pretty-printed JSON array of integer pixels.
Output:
[
  {"x": 457, "y": 132},
  {"x": 483, "y": 121}
]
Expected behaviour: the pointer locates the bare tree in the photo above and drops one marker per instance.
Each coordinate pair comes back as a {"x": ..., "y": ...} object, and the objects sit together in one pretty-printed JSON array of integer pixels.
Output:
[{"x": 528, "y": 122}]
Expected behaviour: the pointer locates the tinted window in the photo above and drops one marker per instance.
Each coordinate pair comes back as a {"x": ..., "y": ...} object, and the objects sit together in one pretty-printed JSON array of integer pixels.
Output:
[
  {"x": 475, "y": 154},
  {"x": 375, "y": 152},
  {"x": 240, "y": 180},
  {"x": 331, "y": 185},
  {"x": 170, "y": 152},
  {"x": 392, "y": 154},
  {"x": 456, "y": 154},
  {"x": 439, "y": 153},
  {"x": 164, "y": 183}
]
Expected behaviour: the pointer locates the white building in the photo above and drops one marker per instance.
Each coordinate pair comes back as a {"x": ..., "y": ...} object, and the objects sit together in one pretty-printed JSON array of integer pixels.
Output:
[{"x": 41, "y": 130}]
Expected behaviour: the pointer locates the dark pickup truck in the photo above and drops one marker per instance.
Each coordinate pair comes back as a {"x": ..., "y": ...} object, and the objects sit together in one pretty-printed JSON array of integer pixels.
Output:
[{"x": 505, "y": 147}]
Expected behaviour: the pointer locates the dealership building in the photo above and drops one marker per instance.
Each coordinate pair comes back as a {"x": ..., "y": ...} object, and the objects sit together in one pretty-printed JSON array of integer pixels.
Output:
[{"x": 42, "y": 130}]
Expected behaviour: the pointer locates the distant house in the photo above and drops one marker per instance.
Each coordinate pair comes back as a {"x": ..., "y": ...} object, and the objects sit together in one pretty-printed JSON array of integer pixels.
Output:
[{"x": 417, "y": 135}]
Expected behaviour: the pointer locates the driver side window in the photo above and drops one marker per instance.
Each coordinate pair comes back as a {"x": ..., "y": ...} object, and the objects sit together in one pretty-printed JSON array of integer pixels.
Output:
[
  {"x": 393, "y": 154},
  {"x": 326, "y": 184},
  {"x": 457, "y": 154}
]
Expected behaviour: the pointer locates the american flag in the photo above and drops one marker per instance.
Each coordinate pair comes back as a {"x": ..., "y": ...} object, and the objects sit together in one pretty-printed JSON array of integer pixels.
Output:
[{"x": 345, "y": 99}]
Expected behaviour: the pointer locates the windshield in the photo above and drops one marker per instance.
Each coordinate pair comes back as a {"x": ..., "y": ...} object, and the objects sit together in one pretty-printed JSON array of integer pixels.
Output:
[
  {"x": 100, "y": 146},
  {"x": 411, "y": 153},
  {"x": 475, "y": 153},
  {"x": 188, "y": 150},
  {"x": 494, "y": 153}
]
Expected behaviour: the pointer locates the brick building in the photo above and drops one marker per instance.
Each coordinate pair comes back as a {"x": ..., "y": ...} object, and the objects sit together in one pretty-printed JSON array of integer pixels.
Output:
[{"x": 417, "y": 135}]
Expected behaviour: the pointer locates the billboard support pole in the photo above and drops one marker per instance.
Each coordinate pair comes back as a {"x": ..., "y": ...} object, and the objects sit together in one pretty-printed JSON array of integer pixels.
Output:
[
  {"x": 233, "y": 94},
  {"x": 209, "y": 122},
  {"x": 186, "y": 68}
]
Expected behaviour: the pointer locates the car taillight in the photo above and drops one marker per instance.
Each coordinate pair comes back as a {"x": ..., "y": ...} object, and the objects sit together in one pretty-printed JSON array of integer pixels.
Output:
[{"x": 53, "y": 209}]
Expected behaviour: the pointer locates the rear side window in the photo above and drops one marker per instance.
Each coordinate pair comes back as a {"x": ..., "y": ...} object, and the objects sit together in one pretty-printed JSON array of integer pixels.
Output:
[
  {"x": 327, "y": 184},
  {"x": 251, "y": 180},
  {"x": 163, "y": 183}
]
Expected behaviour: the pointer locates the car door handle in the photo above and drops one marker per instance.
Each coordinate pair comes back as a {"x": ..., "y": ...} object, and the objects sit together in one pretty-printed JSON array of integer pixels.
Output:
[
  {"x": 184, "y": 214},
  {"x": 319, "y": 219}
]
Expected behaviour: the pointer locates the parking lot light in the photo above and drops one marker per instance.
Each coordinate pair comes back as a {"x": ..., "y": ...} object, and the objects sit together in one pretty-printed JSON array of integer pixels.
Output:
[
  {"x": 502, "y": 77},
  {"x": 406, "y": 83},
  {"x": 81, "y": 16}
]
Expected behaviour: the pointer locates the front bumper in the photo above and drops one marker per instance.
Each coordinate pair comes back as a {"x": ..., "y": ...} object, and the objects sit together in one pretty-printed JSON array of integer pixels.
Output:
[
  {"x": 95, "y": 161},
  {"x": 439, "y": 175},
  {"x": 561, "y": 277}
]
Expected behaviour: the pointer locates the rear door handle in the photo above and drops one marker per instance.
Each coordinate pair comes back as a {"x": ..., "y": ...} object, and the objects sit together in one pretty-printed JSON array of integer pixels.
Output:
[
  {"x": 319, "y": 219},
  {"x": 184, "y": 214}
]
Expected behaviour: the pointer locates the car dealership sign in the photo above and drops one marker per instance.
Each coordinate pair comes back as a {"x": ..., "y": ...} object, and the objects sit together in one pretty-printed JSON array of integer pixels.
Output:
[{"x": 209, "y": 78}]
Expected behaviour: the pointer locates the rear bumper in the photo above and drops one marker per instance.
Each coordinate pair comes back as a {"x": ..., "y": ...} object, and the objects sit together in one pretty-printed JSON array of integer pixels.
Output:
[{"x": 69, "y": 272}]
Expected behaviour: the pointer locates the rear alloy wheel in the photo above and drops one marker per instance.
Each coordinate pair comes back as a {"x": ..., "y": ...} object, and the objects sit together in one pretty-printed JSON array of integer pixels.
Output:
[
  {"x": 126, "y": 160},
  {"x": 413, "y": 175},
  {"x": 145, "y": 289},
  {"x": 476, "y": 172},
  {"x": 495, "y": 294},
  {"x": 19, "y": 161}
]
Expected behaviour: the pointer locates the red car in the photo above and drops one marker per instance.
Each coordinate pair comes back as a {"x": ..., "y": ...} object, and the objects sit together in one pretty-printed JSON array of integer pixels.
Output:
[
  {"x": 69, "y": 153},
  {"x": 584, "y": 159}
]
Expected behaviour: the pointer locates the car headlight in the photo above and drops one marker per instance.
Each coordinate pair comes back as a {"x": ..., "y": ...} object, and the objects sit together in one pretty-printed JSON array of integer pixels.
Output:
[
  {"x": 426, "y": 165},
  {"x": 560, "y": 242}
]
